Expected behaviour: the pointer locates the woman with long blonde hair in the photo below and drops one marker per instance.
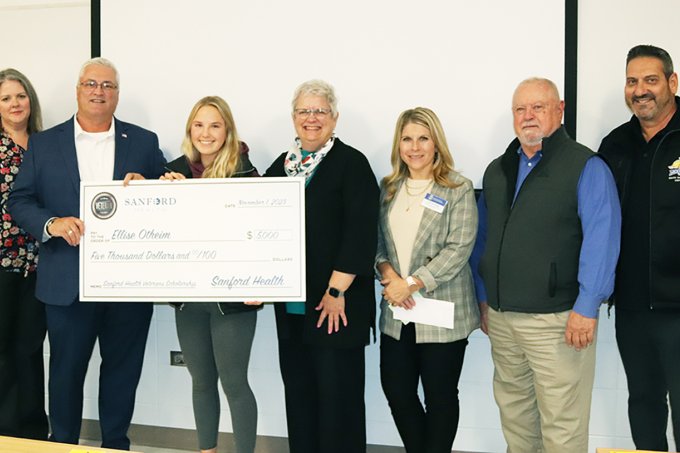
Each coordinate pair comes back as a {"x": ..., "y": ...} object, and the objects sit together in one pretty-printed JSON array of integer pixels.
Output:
[
  {"x": 216, "y": 338},
  {"x": 427, "y": 228}
]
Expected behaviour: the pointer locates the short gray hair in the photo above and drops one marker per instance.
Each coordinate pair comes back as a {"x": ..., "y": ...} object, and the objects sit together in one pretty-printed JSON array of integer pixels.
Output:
[
  {"x": 35, "y": 118},
  {"x": 541, "y": 80},
  {"x": 101, "y": 61},
  {"x": 317, "y": 87}
]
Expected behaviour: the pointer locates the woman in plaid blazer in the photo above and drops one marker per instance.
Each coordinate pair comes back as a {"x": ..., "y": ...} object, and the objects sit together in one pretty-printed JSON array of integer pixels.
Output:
[{"x": 428, "y": 222}]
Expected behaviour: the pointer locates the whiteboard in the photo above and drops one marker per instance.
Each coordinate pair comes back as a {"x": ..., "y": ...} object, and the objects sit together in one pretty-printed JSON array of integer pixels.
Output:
[{"x": 462, "y": 59}]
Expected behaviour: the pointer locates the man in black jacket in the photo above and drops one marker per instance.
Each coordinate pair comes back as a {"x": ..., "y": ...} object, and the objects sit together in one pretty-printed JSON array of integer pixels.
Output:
[{"x": 644, "y": 155}]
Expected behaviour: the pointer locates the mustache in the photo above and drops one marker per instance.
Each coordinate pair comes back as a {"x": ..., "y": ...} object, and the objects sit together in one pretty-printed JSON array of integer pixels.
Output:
[{"x": 646, "y": 96}]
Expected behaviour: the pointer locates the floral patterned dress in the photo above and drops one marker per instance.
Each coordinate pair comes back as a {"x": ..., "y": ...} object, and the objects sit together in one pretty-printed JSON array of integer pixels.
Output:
[{"x": 18, "y": 250}]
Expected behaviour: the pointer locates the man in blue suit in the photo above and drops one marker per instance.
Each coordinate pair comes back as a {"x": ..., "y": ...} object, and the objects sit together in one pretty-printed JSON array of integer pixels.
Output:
[{"x": 93, "y": 145}]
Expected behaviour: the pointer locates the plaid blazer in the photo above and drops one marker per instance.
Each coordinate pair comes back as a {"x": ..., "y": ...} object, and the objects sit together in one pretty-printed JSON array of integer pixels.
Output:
[{"x": 439, "y": 259}]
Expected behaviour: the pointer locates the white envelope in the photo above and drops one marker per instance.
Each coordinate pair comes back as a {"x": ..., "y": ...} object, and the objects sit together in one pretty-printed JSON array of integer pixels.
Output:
[{"x": 432, "y": 312}]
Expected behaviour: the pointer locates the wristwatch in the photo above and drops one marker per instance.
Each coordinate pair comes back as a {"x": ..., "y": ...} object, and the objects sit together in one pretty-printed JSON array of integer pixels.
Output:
[
  {"x": 410, "y": 281},
  {"x": 49, "y": 224},
  {"x": 335, "y": 292}
]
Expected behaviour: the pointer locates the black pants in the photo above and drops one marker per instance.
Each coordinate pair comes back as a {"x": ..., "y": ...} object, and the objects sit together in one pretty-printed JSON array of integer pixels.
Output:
[
  {"x": 429, "y": 429},
  {"x": 324, "y": 388},
  {"x": 649, "y": 344},
  {"x": 22, "y": 333}
]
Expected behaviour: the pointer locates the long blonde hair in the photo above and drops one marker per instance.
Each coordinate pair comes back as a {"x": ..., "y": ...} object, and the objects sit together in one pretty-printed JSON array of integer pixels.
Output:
[
  {"x": 443, "y": 162},
  {"x": 227, "y": 160}
]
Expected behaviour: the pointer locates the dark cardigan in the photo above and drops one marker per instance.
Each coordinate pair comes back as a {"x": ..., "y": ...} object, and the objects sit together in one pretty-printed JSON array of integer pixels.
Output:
[{"x": 341, "y": 222}]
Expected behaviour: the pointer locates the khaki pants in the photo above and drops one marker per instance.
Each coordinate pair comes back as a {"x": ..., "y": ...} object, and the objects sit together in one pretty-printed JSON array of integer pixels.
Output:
[{"x": 543, "y": 387}]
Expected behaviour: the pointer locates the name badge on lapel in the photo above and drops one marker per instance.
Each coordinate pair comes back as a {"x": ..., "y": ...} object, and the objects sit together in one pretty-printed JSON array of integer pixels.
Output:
[{"x": 437, "y": 204}]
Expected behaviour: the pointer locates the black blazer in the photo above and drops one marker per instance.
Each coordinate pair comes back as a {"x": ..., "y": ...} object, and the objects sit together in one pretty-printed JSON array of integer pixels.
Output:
[
  {"x": 245, "y": 169},
  {"x": 341, "y": 221}
]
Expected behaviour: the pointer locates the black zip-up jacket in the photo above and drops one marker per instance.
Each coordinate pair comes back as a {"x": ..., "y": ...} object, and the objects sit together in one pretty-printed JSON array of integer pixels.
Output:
[
  {"x": 245, "y": 169},
  {"x": 661, "y": 267}
]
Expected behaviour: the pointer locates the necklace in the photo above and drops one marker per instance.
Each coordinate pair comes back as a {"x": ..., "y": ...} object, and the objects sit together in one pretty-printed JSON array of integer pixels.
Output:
[
  {"x": 413, "y": 194},
  {"x": 413, "y": 197}
]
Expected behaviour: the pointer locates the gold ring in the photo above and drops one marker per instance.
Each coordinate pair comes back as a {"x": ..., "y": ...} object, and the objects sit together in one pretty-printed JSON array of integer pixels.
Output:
[{"x": 70, "y": 231}]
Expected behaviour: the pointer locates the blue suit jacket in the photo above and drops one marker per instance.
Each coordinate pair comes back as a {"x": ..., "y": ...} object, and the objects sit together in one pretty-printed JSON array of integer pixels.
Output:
[{"x": 48, "y": 185}]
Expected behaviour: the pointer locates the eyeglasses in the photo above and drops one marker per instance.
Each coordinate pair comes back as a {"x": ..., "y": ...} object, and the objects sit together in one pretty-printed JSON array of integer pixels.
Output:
[
  {"x": 536, "y": 109},
  {"x": 92, "y": 85},
  {"x": 306, "y": 113}
]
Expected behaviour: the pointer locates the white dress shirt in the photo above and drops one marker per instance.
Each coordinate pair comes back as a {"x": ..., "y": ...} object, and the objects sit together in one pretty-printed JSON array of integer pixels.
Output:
[{"x": 95, "y": 152}]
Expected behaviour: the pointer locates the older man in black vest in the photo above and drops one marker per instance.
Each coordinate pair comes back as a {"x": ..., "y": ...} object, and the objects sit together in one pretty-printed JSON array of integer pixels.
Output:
[{"x": 548, "y": 242}]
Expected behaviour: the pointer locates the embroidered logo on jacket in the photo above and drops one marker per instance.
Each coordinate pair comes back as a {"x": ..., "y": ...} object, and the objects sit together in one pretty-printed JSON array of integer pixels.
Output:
[{"x": 674, "y": 171}]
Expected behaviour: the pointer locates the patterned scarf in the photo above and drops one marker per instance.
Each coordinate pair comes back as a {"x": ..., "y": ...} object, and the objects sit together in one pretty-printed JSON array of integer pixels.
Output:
[{"x": 296, "y": 166}]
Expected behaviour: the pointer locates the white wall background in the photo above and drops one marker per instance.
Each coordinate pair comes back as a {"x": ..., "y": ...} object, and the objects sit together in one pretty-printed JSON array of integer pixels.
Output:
[
  {"x": 607, "y": 30},
  {"x": 47, "y": 40},
  {"x": 382, "y": 57}
]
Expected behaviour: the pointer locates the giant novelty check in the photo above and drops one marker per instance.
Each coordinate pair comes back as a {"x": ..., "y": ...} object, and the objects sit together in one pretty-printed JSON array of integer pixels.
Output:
[{"x": 222, "y": 240}]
